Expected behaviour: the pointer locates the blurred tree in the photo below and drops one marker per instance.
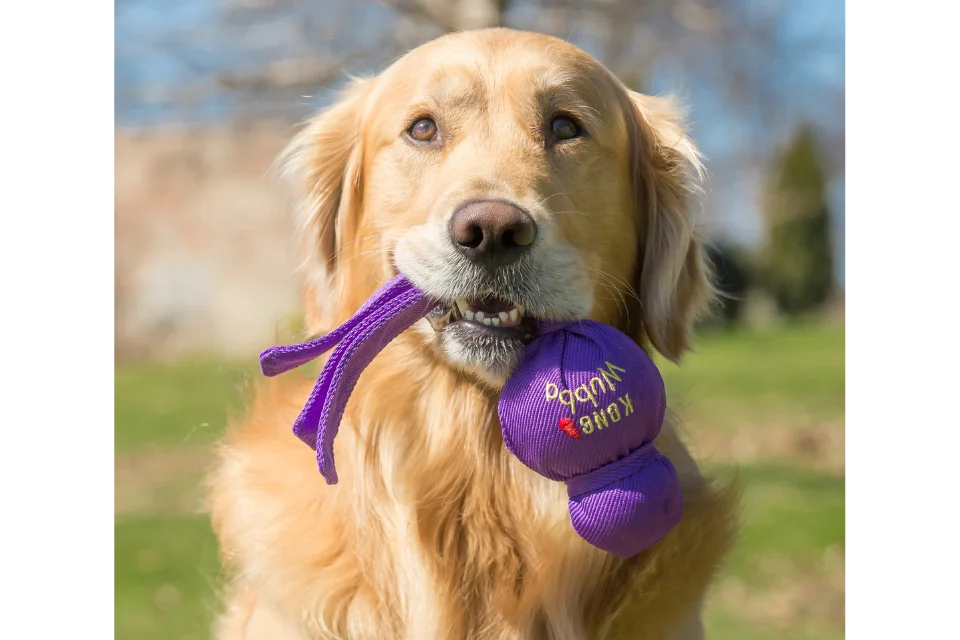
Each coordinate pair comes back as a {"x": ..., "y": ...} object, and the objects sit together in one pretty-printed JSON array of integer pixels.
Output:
[
  {"x": 799, "y": 258},
  {"x": 733, "y": 278}
]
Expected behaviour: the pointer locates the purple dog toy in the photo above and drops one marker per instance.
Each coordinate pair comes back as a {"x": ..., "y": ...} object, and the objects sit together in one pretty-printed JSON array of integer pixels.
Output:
[{"x": 583, "y": 407}]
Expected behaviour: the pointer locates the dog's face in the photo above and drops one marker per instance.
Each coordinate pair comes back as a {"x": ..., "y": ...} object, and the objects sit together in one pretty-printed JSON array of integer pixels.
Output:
[{"x": 513, "y": 178}]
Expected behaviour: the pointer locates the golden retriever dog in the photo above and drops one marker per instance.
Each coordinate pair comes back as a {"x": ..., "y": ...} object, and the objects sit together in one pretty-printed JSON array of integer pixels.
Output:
[{"x": 508, "y": 173}]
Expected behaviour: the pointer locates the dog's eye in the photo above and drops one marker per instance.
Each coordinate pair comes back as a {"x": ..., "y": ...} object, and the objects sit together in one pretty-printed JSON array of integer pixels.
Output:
[
  {"x": 564, "y": 128},
  {"x": 423, "y": 130}
]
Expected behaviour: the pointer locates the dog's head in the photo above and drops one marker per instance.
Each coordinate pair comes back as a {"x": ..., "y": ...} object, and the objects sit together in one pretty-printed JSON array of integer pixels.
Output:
[{"x": 513, "y": 178}]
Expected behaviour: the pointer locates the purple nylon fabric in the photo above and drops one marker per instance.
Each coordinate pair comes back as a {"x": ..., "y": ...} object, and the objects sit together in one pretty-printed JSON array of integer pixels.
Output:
[
  {"x": 393, "y": 308},
  {"x": 276, "y": 360},
  {"x": 583, "y": 407},
  {"x": 607, "y": 394}
]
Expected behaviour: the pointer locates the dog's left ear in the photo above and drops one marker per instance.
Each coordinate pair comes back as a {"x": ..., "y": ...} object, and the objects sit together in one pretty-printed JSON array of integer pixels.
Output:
[{"x": 672, "y": 275}]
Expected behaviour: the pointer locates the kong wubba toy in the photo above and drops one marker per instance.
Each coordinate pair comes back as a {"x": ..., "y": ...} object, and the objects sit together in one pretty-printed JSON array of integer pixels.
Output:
[{"x": 582, "y": 407}]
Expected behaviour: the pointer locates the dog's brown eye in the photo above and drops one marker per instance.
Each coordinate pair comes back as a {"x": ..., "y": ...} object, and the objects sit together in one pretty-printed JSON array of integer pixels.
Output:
[
  {"x": 423, "y": 130},
  {"x": 564, "y": 128}
]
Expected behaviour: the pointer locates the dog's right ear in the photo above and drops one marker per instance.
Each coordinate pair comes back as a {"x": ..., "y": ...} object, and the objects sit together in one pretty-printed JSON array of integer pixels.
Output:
[{"x": 322, "y": 165}]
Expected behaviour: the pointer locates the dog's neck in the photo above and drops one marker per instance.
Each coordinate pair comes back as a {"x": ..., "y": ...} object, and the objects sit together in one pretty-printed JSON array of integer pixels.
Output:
[{"x": 442, "y": 412}]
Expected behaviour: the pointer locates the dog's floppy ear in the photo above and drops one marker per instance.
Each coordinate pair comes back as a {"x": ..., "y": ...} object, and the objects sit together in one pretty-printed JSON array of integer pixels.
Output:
[
  {"x": 322, "y": 165},
  {"x": 673, "y": 276}
]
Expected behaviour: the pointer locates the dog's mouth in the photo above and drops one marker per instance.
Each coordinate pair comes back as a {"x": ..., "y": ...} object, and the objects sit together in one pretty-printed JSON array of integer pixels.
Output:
[{"x": 486, "y": 315}]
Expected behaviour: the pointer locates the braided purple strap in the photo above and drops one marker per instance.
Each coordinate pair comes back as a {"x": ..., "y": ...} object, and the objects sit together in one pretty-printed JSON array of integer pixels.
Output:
[
  {"x": 391, "y": 310},
  {"x": 277, "y": 360}
]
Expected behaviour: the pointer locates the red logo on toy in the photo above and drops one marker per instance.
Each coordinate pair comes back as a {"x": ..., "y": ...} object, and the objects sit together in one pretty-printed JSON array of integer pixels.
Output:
[{"x": 566, "y": 425}]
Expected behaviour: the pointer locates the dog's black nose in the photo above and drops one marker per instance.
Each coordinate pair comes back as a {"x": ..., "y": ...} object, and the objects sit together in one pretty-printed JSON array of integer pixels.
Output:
[{"x": 492, "y": 231}]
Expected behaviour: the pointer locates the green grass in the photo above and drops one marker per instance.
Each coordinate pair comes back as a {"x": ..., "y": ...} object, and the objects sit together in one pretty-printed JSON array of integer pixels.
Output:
[
  {"x": 788, "y": 511},
  {"x": 176, "y": 404},
  {"x": 723, "y": 626},
  {"x": 166, "y": 576},
  {"x": 796, "y": 368},
  {"x": 783, "y": 581}
]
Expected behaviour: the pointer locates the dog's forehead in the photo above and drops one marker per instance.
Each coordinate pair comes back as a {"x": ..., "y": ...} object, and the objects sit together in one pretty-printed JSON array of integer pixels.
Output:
[{"x": 467, "y": 65}]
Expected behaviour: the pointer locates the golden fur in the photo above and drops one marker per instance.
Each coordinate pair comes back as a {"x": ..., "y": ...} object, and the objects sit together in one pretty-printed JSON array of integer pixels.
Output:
[{"x": 434, "y": 530}]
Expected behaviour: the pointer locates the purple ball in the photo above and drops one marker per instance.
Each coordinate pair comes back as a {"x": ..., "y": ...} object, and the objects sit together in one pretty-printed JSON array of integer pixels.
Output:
[{"x": 583, "y": 407}]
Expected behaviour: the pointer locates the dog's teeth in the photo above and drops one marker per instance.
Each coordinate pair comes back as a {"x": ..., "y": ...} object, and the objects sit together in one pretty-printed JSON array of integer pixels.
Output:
[{"x": 509, "y": 318}]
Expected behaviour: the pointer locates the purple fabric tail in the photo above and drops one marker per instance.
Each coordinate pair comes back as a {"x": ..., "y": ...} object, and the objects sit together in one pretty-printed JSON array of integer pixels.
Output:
[
  {"x": 280, "y": 359},
  {"x": 398, "y": 304}
]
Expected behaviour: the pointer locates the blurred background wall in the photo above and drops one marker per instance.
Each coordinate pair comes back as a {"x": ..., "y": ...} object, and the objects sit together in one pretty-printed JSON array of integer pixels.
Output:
[{"x": 208, "y": 91}]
